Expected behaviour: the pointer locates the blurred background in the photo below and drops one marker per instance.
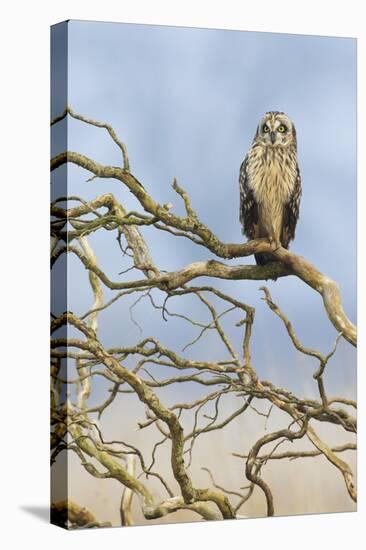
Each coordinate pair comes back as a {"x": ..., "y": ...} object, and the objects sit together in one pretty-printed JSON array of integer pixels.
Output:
[{"x": 186, "y": 102}]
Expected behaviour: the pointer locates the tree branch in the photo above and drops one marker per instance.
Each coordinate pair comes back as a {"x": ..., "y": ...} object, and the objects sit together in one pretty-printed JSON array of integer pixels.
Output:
[
  {"x": 140, "y": 369},
  {"x": 289, "y": 262}
]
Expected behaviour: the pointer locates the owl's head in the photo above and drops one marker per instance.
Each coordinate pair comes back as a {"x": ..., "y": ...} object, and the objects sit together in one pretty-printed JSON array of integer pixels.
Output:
[{"x": 276, "y": 129}]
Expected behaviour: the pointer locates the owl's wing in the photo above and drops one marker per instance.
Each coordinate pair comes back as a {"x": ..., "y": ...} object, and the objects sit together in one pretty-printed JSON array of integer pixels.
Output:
[
  {"x": 291, "y": 212},
  {"x": 248, "y": 213}
]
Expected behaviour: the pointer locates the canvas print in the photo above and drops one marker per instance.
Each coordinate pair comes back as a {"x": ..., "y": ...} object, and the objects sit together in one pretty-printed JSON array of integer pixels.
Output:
[{"x": 203, "y": 253}]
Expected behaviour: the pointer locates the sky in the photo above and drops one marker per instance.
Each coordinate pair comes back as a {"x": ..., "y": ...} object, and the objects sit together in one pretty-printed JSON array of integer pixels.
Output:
[{"x": 186, "y": 102}]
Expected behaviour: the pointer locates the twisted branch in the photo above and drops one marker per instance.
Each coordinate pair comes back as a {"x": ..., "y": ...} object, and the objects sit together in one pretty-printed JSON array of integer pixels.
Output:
[
  {"x": 290, "y": 264},
  {"x": 130, "y": 368}
]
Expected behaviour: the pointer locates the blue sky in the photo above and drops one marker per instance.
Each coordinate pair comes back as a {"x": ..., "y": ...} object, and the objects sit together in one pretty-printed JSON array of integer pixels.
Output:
[{"x": 187, "y": 102}]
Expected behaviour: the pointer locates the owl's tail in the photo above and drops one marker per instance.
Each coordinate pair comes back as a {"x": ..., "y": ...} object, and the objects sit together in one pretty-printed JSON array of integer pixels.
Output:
[{"x": 263, "y": 259}]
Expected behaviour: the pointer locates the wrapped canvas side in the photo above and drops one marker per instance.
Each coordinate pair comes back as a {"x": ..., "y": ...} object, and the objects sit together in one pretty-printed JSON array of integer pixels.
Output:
[{"x": 59, "y": 463}]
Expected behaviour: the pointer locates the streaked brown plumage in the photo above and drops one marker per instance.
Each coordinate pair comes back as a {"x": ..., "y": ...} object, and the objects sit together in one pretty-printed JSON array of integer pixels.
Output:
[{"x": 270, "y": 184}]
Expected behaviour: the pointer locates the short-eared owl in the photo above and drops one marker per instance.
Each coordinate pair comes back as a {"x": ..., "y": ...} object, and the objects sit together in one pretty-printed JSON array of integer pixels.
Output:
[{"x": 270, "y": 184}]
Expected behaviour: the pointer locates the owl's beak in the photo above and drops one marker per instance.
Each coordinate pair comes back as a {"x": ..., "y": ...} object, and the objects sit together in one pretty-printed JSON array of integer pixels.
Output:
[{"x": 273, "y": 137}]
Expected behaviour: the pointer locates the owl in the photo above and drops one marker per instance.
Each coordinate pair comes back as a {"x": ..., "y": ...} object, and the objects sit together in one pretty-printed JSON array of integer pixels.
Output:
[{"x": 270, "y": 184}]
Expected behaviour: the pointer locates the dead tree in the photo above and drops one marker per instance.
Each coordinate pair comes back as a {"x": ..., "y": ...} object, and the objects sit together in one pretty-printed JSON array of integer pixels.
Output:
[{"x": 127, "y": 366}]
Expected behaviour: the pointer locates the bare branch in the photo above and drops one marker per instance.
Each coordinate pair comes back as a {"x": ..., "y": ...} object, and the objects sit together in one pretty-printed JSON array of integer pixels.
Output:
[
  {"x": 290, "y": 263},
  {"x": 66, "y": 512},
  {"x": 126, "y": 501},
  {"x": 109, "y": 129},
  {"x": 145, "y": 370}
]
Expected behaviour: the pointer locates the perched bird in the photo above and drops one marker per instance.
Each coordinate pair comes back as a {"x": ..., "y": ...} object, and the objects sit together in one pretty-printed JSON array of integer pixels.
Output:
[{"x": 270, "y": 184}]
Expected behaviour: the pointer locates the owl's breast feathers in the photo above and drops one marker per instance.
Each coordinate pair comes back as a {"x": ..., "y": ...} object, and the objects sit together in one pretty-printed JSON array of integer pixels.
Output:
[
  {"x": 270, "y": 191},
  {"x": 272, "y": 174}
]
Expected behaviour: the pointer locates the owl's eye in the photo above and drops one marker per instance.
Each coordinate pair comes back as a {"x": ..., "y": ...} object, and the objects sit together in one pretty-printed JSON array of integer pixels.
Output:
[
  {"x": 282, "y": 128},
  {"x": 265, "y": 128}
]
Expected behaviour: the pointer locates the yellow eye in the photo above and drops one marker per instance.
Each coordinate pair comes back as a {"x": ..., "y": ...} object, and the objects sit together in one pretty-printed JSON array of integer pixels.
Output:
[
  {"x": 282, "y": 128},
  {"x": 265, "y": 128}
]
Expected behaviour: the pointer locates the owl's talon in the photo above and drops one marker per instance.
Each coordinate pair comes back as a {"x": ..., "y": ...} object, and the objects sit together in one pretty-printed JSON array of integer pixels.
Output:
[{"x": 275, "y": 245}]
